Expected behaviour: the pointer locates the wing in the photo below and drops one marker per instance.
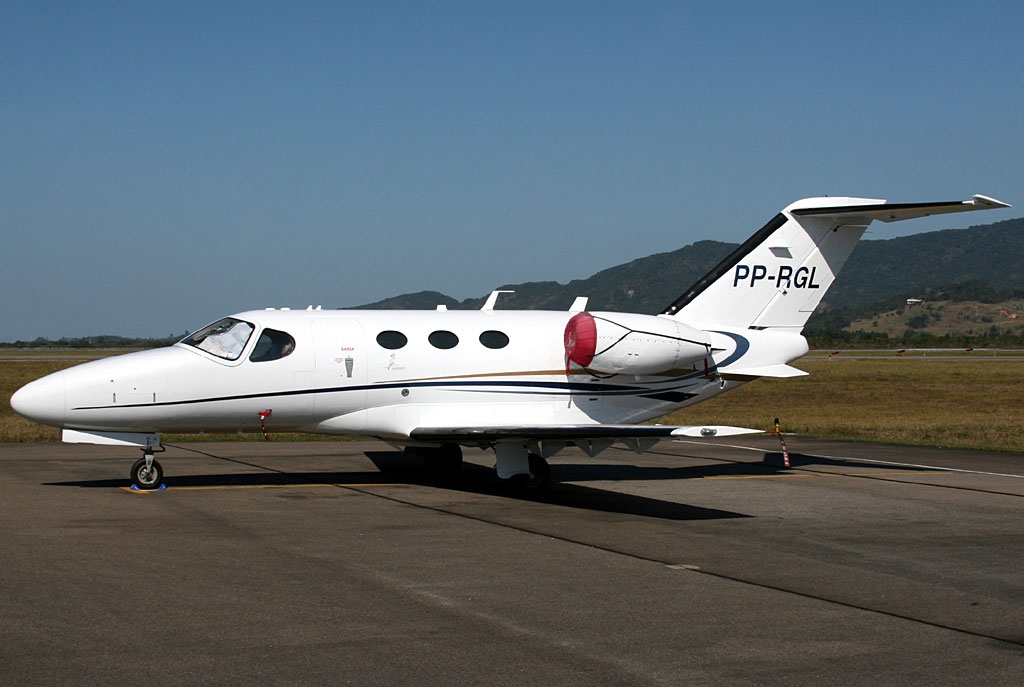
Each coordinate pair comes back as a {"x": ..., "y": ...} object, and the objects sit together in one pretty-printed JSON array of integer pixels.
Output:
[{"x": 573, "y": 433}]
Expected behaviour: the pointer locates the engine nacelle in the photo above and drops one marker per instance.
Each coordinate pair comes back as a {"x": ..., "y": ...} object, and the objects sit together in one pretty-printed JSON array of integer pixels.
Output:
[{"x": 623, "y": 343}]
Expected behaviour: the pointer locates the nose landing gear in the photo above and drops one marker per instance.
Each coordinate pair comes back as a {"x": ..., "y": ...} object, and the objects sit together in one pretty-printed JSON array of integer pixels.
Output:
[{"x": 147, "y": 473}]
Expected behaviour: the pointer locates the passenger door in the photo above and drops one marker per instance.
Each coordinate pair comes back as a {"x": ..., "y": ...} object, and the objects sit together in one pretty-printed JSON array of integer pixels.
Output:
[{"x": 340, "y": 369}]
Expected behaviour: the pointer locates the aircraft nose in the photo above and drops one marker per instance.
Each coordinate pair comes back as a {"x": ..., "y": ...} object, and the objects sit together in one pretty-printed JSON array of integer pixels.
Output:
[{"x": 41, "y": 401}]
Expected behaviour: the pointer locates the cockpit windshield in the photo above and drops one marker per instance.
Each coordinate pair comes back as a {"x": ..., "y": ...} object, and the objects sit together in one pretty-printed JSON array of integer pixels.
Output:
[{"x": 224, "y": 339}]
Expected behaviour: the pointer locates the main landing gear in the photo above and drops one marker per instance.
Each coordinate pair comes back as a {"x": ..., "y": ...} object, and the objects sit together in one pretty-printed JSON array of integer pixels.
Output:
[
  {"x": 147, "y": 473},
  {"x": 539, "y": 477},
  {"x": 524, "y": 470}
]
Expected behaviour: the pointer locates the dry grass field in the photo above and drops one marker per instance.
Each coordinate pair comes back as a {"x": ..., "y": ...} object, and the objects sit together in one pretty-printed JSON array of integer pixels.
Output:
[
  {"x": 16, "y": 371},
  {"x": 975, "y": 402},
  {"x": 964, "y": 401}
]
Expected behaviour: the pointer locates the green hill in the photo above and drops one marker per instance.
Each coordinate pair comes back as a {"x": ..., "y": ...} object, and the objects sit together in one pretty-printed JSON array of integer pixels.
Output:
[
  {"x": 644, "y": 285},
  {"x": 991, "y": 254},
  {"x": 986, "y": 257},
  {"x": 970, "y": 282}
]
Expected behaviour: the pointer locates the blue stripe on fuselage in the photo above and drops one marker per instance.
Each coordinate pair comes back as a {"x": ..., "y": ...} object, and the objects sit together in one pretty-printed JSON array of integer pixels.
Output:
[{"x": 522, "y": 387}]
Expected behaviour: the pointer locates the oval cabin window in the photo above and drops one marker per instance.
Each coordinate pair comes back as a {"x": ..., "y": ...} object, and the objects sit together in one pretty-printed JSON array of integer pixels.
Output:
[
  {"x": 392, "y": 340},
  {"x": 442, "y": 339},
  {"x": 494, "y": 339}
]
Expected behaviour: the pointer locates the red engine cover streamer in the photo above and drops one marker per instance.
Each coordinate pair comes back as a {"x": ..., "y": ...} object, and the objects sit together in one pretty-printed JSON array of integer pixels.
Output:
[{"x": 581, "y": 339}]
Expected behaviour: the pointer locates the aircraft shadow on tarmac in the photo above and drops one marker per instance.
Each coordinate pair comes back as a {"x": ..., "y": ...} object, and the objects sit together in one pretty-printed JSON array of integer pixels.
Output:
[
  {"x": 394, "y": 468},
  {"x": 481, "y": 480},
  {"x": 771, "y": 464}
]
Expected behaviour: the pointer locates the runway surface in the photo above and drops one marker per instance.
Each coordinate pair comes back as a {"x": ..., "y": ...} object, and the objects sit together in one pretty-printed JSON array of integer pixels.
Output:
[{"x": 343, "y": 563}]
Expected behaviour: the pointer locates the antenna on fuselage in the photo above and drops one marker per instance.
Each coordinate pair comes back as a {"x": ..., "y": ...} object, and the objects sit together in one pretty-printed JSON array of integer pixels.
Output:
[
  {"x": 492, "y": 299},
  {"x": 580, "y": 304}
]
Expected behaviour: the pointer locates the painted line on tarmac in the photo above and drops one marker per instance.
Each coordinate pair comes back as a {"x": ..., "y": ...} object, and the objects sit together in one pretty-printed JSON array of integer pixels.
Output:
[
  {"x": 812, "y": 475},
  {"x": 934, "y": 468},
  {"x": 260, "y": 486}
]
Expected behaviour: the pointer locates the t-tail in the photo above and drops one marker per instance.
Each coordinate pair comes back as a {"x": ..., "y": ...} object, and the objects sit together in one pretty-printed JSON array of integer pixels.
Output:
[
  {"x": 778, "y": 276},
  {"x": 755, "y": 303}
]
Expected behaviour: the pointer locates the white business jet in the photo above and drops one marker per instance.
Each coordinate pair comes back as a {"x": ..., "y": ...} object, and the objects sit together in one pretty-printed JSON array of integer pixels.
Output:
[{"x": 525, "y": 383}]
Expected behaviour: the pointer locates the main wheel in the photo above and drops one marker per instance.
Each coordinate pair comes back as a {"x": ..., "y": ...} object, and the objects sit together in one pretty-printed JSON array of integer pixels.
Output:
[
  {"x": 147, "y": 478},
  {"x": 539, "y": 478}
]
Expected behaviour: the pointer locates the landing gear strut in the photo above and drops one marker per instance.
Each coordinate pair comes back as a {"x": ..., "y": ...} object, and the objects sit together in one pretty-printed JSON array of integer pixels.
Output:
[
  {"x": 526, "y": 470},
  {"x": 147, "y": 473},
  {"x": 539, "y": 478}
]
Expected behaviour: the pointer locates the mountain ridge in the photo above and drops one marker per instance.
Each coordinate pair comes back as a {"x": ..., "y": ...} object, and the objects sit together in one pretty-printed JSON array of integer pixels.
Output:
[{"x": 878, "y": 269}]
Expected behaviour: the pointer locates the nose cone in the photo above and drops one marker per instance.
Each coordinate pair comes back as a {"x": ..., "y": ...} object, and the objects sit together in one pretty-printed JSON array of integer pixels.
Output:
[{"x": 41, "y": 401}]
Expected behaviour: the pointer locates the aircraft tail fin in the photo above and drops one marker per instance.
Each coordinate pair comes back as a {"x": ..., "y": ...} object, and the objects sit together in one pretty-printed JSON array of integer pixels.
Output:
[{"x": 778, "y": 276}]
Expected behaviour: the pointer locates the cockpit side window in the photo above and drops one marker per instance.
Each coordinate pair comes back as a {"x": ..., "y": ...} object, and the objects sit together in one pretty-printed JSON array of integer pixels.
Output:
[
  {"x": 224, "y": 339},
  {"x": 272, "y": 345}
]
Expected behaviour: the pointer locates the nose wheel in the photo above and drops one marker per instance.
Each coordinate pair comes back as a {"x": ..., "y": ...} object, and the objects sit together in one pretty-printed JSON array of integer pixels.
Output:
[{"x": 147, "y": 473}]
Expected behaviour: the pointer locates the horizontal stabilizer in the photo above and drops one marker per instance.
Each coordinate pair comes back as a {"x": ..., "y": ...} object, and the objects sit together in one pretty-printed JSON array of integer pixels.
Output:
[
  {"x": 766, "y": 371},
  {"x": 895, "y": 212}
]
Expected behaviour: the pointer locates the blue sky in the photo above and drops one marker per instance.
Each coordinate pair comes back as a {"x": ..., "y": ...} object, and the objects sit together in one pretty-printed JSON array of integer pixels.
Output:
[{"x": 162, "y": 165}]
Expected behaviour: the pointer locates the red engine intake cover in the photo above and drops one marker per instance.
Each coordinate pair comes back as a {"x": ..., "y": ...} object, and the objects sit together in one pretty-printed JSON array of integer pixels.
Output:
[{"x": 581, "y": 339}]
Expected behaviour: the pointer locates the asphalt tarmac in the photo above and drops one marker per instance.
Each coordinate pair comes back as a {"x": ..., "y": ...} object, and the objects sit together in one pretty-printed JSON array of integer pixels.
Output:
[{"x": 329, "y": 563}]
